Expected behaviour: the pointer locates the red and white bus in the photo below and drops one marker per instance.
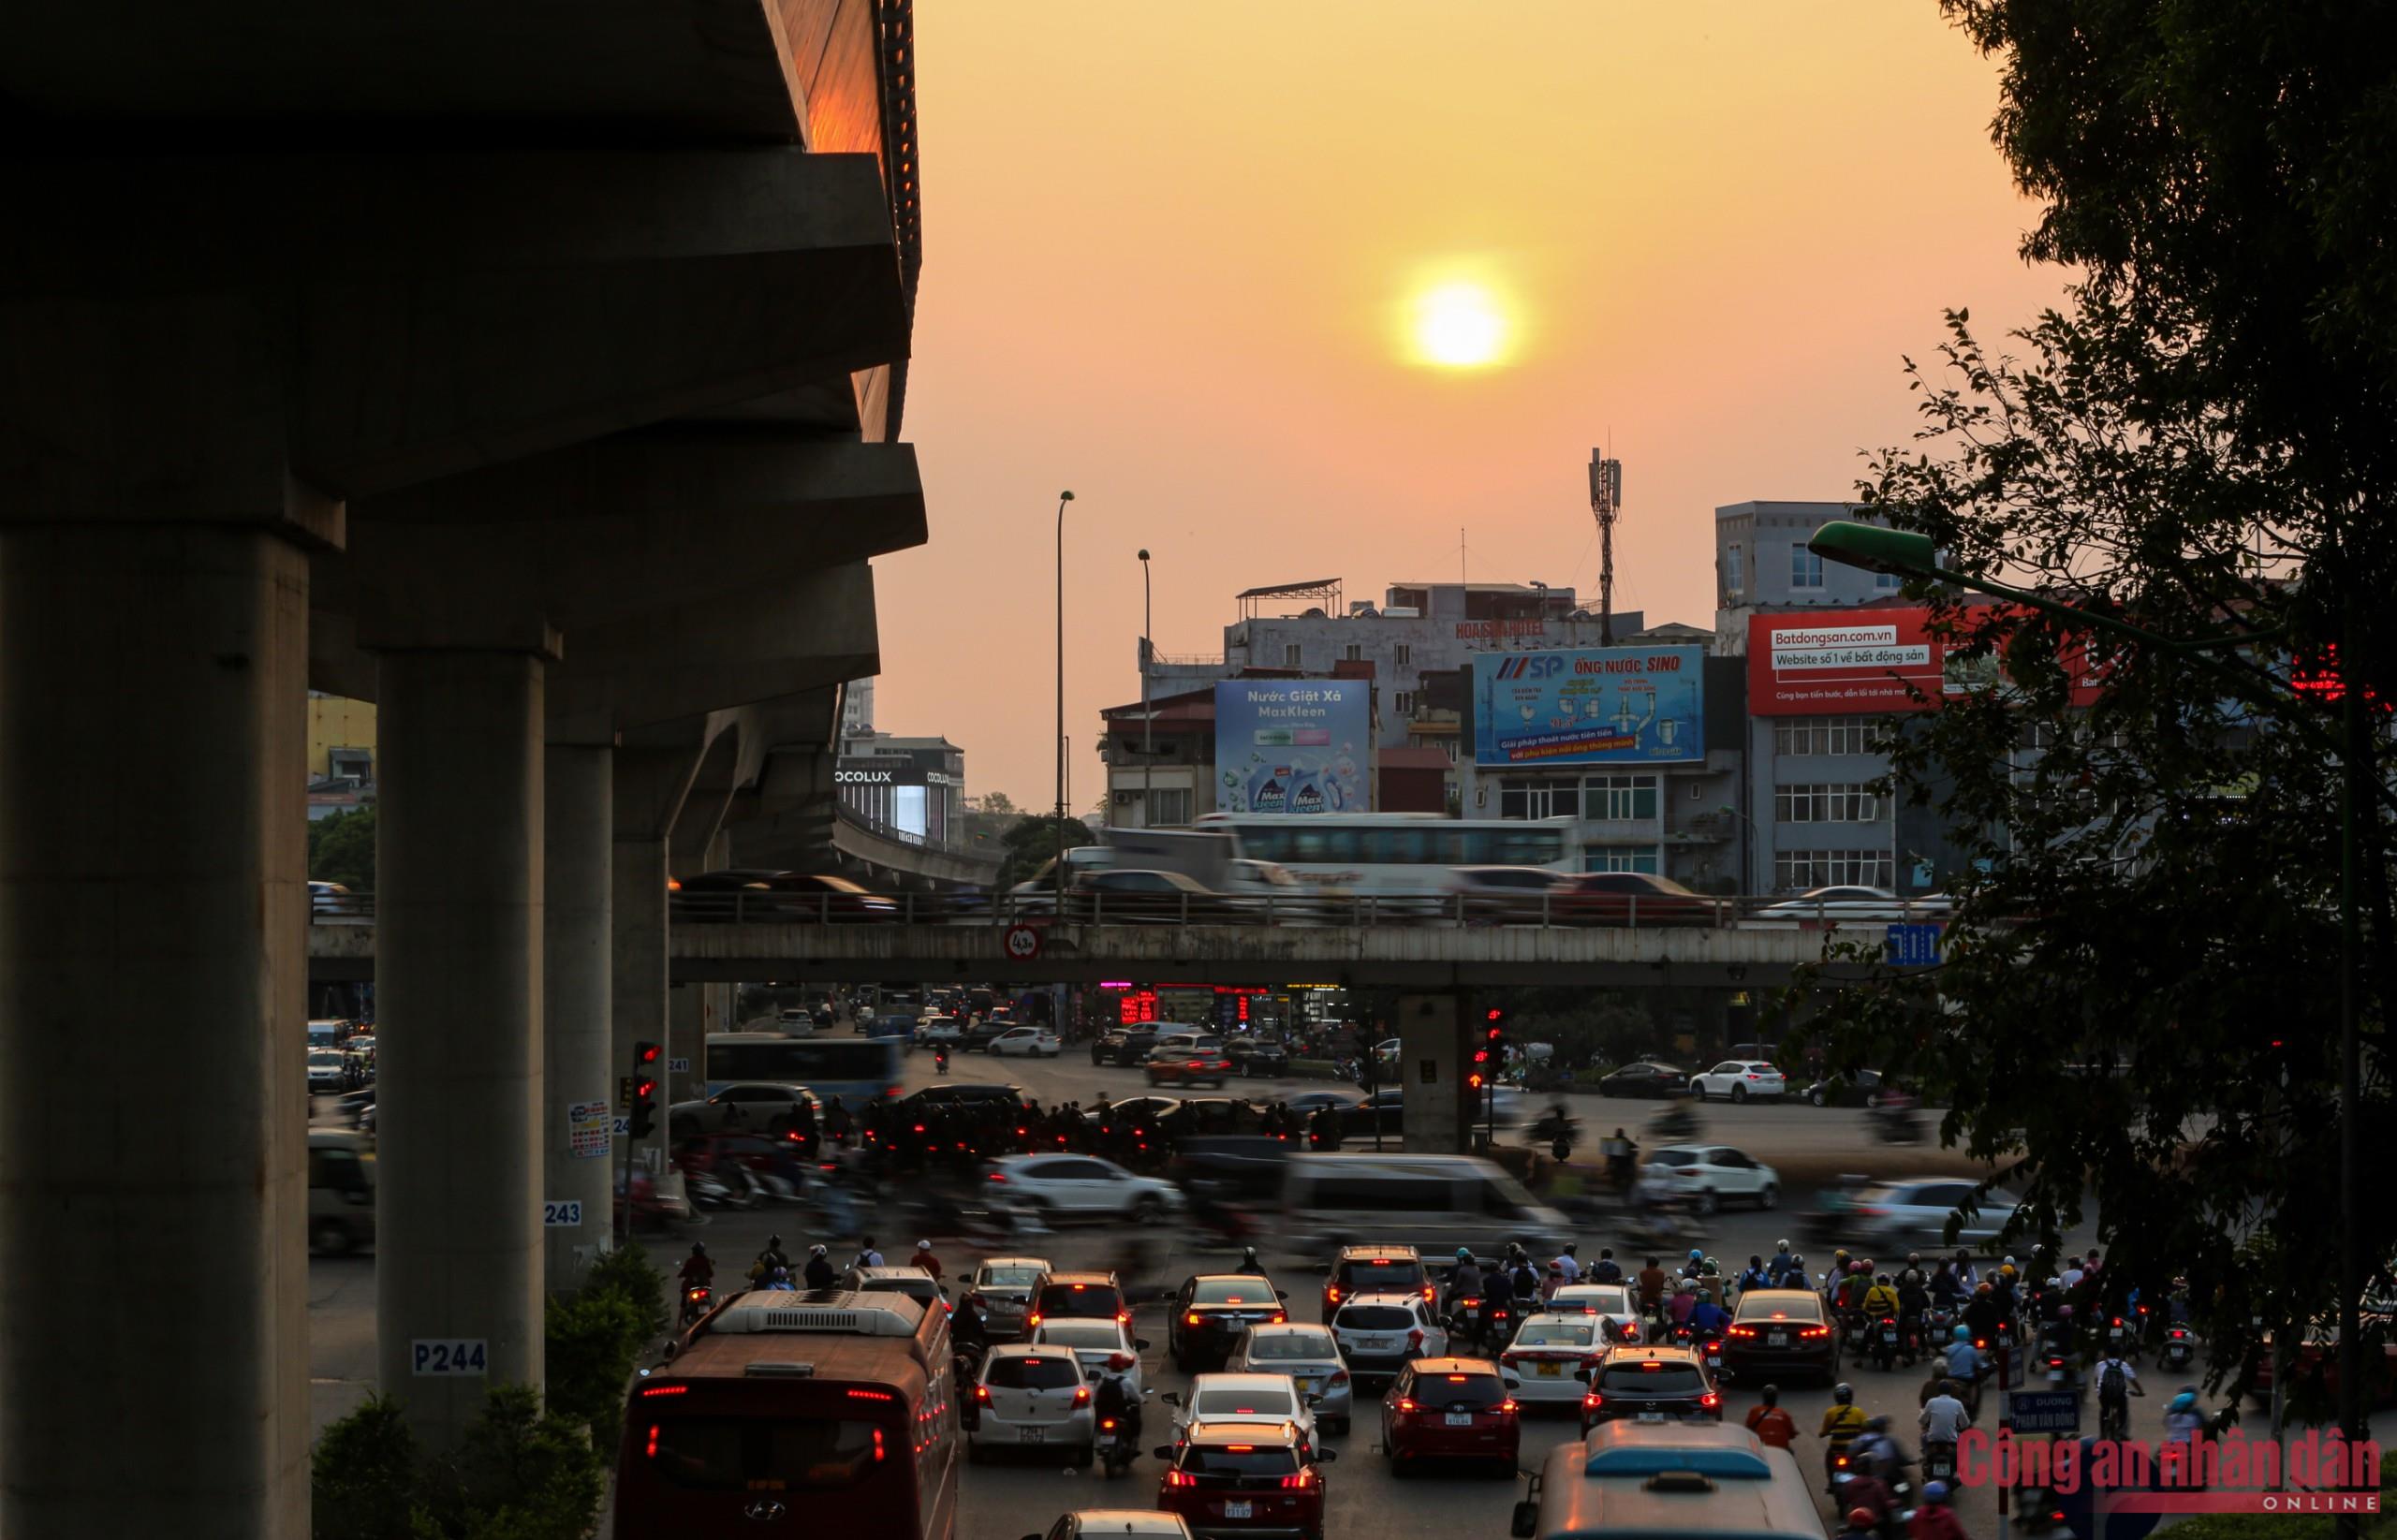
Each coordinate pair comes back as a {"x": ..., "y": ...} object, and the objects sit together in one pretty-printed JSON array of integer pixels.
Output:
[{"x": 788, "y": 1415}]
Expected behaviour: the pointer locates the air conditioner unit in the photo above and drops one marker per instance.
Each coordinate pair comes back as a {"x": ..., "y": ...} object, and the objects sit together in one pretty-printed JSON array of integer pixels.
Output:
[{"x": 1125, "y": 798}]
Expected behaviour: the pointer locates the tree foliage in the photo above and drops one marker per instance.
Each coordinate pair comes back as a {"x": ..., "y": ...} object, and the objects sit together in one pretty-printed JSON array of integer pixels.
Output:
[
  {"x": 341, "y": 848},
  {"x": 1033, "y": 842},
  {"x": 2138, "y": 1000}
]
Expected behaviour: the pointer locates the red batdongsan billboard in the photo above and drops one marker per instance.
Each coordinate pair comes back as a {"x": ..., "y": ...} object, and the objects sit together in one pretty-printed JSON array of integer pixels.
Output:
[{"x": 1862, "y": 662}]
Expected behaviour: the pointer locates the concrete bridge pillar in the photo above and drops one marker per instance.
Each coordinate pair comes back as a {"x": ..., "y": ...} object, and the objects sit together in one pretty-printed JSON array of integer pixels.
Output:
[
  {"x": 1435, "y": 1049},
  {"x": 578, "y": 942},
  {"x": 459, "y": 853},
  {"x": 153, "y": 933}
]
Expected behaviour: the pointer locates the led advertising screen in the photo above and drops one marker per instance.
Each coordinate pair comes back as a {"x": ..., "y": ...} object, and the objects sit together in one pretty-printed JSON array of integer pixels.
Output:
[
  {"x": 1590, "y": 706},
  {"x": 1295, "y": 746}
]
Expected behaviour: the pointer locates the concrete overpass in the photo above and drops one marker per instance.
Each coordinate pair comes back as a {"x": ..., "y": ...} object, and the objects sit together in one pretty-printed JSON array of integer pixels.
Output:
[{"x": 534, "y": 369}]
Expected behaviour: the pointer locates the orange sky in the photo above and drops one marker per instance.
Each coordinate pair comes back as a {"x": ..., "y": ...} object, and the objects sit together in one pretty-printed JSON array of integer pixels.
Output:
[{"x": 1167, "y": 248}]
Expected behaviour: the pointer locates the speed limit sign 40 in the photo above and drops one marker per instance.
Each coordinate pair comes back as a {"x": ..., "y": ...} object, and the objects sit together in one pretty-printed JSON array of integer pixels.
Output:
[{"x": 1022, "y": 943}]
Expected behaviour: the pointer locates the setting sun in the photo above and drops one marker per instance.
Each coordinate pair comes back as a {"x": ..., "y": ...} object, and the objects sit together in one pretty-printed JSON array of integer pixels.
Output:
[{"x": 1459, "y": 326}]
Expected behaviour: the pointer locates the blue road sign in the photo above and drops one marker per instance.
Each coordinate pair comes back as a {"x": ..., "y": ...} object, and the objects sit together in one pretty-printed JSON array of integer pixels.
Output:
[
  {"x": 1915, "y": 945},
  {"x": 2044, "y": 1411}
]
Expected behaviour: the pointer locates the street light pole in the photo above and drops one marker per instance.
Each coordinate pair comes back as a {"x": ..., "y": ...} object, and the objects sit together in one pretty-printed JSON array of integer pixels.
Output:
[
  {"x": 1148, "y": 723},
  {"x": 1059, "y": 912},
  {"x": 1912, "y": 555}
]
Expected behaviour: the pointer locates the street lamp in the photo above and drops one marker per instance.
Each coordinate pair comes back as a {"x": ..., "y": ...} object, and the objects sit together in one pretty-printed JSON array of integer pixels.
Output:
[
  {"x": 1908, "y": 554},
  {"x": 1062, "y": 498},
  {"x": 1148, "y": 723}
]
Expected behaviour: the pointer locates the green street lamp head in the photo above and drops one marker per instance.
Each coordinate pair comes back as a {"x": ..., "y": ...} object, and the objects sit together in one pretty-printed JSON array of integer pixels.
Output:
[
  {"x": 1064, "y": 497},
  {"x": 1899, "y": 551},
  {"x": 1144, "y": 555}
]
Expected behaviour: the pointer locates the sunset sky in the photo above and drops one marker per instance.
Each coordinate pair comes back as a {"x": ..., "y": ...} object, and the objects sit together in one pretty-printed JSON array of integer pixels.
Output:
[{"x": 1175, "y": 256}]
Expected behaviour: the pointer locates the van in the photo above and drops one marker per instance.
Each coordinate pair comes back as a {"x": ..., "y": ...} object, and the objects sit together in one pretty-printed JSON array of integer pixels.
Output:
[
  {"x": 340, "y": 1190},
  {"x": 1435, "y": 1203},
  {"x": 1681, "y": 1480}
]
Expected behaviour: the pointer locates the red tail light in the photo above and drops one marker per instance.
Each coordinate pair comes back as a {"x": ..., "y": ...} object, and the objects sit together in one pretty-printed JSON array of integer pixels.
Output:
[
  {"x": 1280, "y": 1318},
  {"x": 1415, "y": 1339},
  {"x": 1511, "y": 1359},
  {"x": 1338, "y": 1377},
  {"x": 1180, "y": 1478},
  {"x": 1591, "y": 1400},
  {"x": 981, "y": 1395},
  {"x": 1710, "y": 1400},
  {"x": 1814, "y": 1331},
  {"x": 1192, "y": 1319},
  {"x": 1507, "y": 1408},
  {"x": 652, "y": 1450},
  {"x": 1406, "y": 1407},
  {"x": 1743, "y": 1332},
  {"x": 1301, "y": 1481},
  {"x": 649, "y": 1390},
  {"x": 1332, "y": 1294},
  {"x": 1081, "y": 1394}
]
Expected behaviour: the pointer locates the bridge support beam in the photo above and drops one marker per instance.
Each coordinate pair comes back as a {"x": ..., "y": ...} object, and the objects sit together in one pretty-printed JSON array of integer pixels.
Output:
[
  {"x": 577, "y": 942},
  {"x": 152, "y": 681},
  {"x": 651, "y": 786},
  {"x": 1432, "y": 1055},
  {"x": 459, "y": 852}
]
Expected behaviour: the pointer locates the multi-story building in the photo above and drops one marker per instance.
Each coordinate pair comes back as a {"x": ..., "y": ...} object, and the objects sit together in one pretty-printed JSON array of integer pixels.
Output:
[{"x": 912, "y": 787}]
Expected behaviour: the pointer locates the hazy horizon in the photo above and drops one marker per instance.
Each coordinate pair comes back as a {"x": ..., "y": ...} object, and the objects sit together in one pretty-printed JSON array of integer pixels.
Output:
[{"x": 1170, "y": 261}]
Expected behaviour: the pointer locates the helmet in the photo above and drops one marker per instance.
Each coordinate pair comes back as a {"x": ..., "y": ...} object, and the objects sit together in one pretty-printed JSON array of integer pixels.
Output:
[
  {"x": 1856, "y": 1270},
  {"x": 1935, "y": 1491},
  {"x": 773, "y": 1241},
  {"x": 1840, "y": 1257},
  {"x": 2006, "y": 1271},
  {"x": 1710, "y": 1267},
  {"x": 1877, "y": 1424},
  {"x": 1962, "y": 1334},
  {"x": 1914, "y": 1258},
  {"x": 1464, "y": 1254},
  {"x": 1861, "y": 1519},
  {"x": 1571, "y": 1247},
  {"x": 1797, "y": 1259},
  {"x": 1696, "y": 1256},
  {"x": 2009, "y": 1262},
  {"x": 2185, "y": 1401},
  {"x": 698, "y": 1248},
  {"x": 923, "y": 1245},
  {"x": 1844, "y": 1393},
  {"x": 1981, "y": 1287},
  {"x": 816, "y": 1250},
  {"x": 1781, "y": 1245}
]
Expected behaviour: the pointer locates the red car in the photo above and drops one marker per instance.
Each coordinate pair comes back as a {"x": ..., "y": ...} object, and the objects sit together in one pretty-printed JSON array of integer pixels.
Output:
[
  {"x": 1245, "y": 1478},
  {"x": 1450, "y": 1409},
  {"x": 1627, "y": 897}
]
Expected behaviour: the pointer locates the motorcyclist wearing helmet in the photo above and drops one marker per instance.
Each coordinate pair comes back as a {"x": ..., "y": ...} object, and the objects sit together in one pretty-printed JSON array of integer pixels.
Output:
[
  {"x": 2184, "y": 1423},
  {"x": 1755, "y": 1275},
  {"x": 1464, "y": 1281},
  {"x": 699, "y": 1268},
  {"x": 1683, "y": 1302},
  {"x": 1963, "y": 1359},
  {"x": 1913, "y": 1270},
  {"x": 1982, "y": 1313},
  {"x": 1498, "y": 1299},
  {"x": 1773, "y": 1427},
  {"x": 768, "y": 1259},
  {"x": 1934, "y": 1519},
  {"x": 1694, "y": 1263},
  {"x": 1777, "y": 1271},
  {"x": 1249, "y": 1264},
  {"x": 1945, "y": 1288},
  {"x": 819, "y": 1268},
  {"x": 1862, "y": 1524},
  {"x": 1843, "y": 1421},
  {"x": 1115, "y": 1399},
  {"x": 1606, "y": 1270},
  {"x": 1879, "y": 1300}
]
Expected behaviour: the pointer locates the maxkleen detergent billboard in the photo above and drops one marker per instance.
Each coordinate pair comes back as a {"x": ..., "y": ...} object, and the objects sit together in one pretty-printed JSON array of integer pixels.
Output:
[{"x": 1294, "y": 746}]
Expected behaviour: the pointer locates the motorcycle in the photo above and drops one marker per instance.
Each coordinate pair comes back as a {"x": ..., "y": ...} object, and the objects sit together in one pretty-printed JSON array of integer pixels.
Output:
[
  {"x": 1711, "y": 1349},
  {"x": 2120, "y": 1341},
  {"x": 2180, "y": 1347},
  {"x": 1939, "y": 1463},
  {"x": 1676, "y": 1121},
  {"x": 1559, "y": 1131},
  {"x": 1116, "y": 1448},
  {"x": 1897, "y": 1126},
  {"x": 940, "y": 1060},
  {"x": 1497, "y": 1327},
  {"x": 1885, "y": 1342},
  {"x": 696, "y": 1299}
]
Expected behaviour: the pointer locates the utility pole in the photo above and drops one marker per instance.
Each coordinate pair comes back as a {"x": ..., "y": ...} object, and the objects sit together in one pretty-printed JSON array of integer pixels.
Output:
[{"x": 1606, "y": 505}]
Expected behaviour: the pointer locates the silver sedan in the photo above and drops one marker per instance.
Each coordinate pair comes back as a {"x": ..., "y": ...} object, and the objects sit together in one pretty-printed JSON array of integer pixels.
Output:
[{"x": 1309, "y": 1355}]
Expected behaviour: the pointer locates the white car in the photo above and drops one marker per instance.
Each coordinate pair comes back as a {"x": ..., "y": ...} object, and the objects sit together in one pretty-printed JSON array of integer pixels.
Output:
[
  {"x": 328, "y": 1071},
  {"x": 1309, "y": 1355},
  {"x": 1032, "y": 1041},
  {"x": 1855, "y": 904},
  {"x": 1554, "y": 1353},
  {"x": 1241, "y": 1398},
  {"x": 940, "y": 1029},
  {"x": 1032, "y": 1397},
  {"x": 1099, "y": 1343},
  {"x": 1610, "y": 1300},
  {"x": 751, "y": 1106},
  {"x": 1380, "y": 1332},
  {"x": 1738, "y": 1081},
  {"x": 1707, "y": 1176},
  {"x": 1138, "y": 1524},
  {"x": 1070, "y": 1186}
]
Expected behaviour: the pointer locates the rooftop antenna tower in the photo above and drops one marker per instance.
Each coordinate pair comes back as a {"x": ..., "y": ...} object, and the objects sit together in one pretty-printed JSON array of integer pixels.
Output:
[{"x": 1606, "y": 506}]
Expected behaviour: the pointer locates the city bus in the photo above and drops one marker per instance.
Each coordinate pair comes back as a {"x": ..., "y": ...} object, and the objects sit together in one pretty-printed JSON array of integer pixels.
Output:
[
  {"x": 1393, "y": 854},
  {"x": 786, "y": 1415},
  {"x": 856, "y": 1069}
]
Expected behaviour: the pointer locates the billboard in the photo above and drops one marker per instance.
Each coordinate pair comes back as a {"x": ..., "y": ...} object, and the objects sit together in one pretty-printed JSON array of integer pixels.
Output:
[
  {"x": 1865, "y": 661},
  {"x": 1590, "y": 706},
  {"x": 1297, "y": 746}
]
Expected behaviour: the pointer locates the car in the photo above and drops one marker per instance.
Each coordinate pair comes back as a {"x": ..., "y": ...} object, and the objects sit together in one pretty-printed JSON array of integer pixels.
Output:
[
  {"x": 1000, "y": 1289},
  {"x": 1499, "y": 895},
  {"x": 1893, "y": 1214},
  {"x": 1100, "y": 1345},
  {"x": 1134, "y": 895},
  {"x": 1553, "y": 1354},
  {"x": 1267, "y": 1396},
  {"x": 331, "y": 897},
  {"x": 1614, "y": 1301},
  {"x": 1031, "y": 1396},
  {"x": 915, "y": 1283},
  {"x": 1444, "y": 1408},
  {"x": 330, "y": 1072},
  {"x": 940, "y": 1029},
  {"x": 1191, "y": 1117},
  {"x": 1853, "y": 905},
  {"x": 1246, "y": 1478},
  {"x": 748, "y": 1106},
  {"x": 1373, "y": 1270},
  {"x": 1122, "y": 1045},
  {"x": 1738, "y": 1081},
  {"x": 1384, "y": 1111},
  {"x": 1380, "y": 1334},
  {"x": 1851, "y": 1088},
  {"x": 1037, "y": 1042},
  {"x": 1210, "y": 1312},
  {"x": 1256, "y": 1056},
  {"x": 1650, "y": 1383},
  {"x": 1645, "y": 1078},
  {"x": 1707, "y": 1176},
  {"x": 1780, "y": 1332},
  {"x": 759, "y": 894},
  {"x": 1201, "y": 1062},
  {"x": 1629, "y": 898},
  {"x": 1076, "y": 1297},
  {"x": 1692, "y": 1480},
  {"x": 1139, "y": 1523},
  {"x": 1068, "y": 1186},
  {"x": 982, "y": 1032},
  {"x": 1309, "y": 1355},
  {"x": 1306, "y": 1103}
]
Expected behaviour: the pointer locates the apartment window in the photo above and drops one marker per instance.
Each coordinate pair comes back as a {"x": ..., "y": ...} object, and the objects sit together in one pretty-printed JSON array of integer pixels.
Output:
[
  {"x": 1835, "y": 803},
  {"x": 1620, "y": 858},
  {"x": 1886, "y": 581},
  {"x": 1169, "y": 805},
  {"x": 1796, "y": 871},
  {"x": 1523, "y": 798},
  {"x": 1354, "y": 651},
  {"x": 1290, "y": 656},
  {"x": 1800, "y": 736},
  {"x": 1400, "y": 655},
  {"x": 1404, "y": 702},
  {"x": 1805, "y": 569},
  {"x": 1735, "y": 580},
  {"x": 1620, "y": 796}
]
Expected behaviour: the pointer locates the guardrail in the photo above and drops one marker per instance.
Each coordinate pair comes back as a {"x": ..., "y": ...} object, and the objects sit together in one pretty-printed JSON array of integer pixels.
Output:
[{"x": 1546, "y": 911}]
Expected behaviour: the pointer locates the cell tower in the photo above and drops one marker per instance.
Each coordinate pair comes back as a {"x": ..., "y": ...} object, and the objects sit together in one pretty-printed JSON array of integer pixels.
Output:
[{"x": 1606, "y": 506}]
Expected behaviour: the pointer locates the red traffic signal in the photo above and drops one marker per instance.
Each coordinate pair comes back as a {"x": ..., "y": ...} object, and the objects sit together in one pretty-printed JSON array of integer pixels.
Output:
[{"x": 646, "y": 1054}]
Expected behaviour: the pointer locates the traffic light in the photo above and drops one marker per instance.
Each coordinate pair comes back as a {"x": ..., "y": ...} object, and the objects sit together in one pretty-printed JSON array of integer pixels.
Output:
[
  {"x": 1477, "y": 1077},
  {"x": 645, "y": 1068}
]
